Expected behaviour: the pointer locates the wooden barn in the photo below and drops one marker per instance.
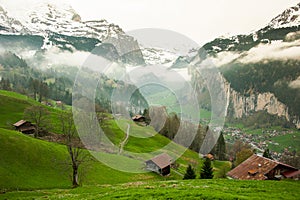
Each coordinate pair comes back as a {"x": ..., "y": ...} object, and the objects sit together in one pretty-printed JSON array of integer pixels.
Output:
[
  {"x": 261, "y": 168},
  {"x": 25, "y": 127},
  {"x": 160, "y": 164}
]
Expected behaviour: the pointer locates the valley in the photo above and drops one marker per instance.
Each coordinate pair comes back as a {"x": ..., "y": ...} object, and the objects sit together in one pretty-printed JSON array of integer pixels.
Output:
[{"x": 89, "y": 111}]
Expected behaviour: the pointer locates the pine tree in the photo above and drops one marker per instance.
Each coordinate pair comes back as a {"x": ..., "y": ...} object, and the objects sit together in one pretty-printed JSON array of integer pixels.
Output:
[
  {"x": 207, "y": 170},
  {"x": 267, "y": 154},
  {"x": 190, "y": 173},
  {"x": 219, "y": 149}
]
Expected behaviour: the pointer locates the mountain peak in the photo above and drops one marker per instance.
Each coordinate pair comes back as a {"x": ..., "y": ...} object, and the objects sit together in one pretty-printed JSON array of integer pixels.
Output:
[
  {"x": 55, "y": 12},
  {"x": 9, "y": 25},
  {"x": 289, "y": 18},
  {"x": 45, "y": 18}
]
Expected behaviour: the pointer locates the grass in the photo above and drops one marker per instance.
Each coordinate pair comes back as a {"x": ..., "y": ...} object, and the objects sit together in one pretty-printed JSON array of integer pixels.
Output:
[
  {"x": 169, "y": 99},
  {"x": 29, "y": 163},
  {"x": 33, "y": 164},
  {"x": 146, "y": 140},
  {"x": 289, "y": 141},
  {"x": 188, "y": 189},
  {"x": 13, "y": 106},
  {"x": 36, "y": 169}
]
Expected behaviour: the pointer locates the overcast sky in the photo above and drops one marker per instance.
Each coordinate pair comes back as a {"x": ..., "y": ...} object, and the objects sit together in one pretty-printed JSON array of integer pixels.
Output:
[{"x": 200, "y": 20}]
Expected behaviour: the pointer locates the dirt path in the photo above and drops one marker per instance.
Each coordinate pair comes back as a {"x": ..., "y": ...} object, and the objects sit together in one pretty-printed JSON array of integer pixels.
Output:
[{"x": 123, "y": 143}]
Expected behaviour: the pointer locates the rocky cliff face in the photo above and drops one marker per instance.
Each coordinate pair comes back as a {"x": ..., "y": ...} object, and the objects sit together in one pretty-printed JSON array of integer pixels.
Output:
[
  {"x": 239, "y": 105},
  {"x": 245, "y": 105},
  {"x": 297, "y": 123},
  {"x": 127, "y": 48}
]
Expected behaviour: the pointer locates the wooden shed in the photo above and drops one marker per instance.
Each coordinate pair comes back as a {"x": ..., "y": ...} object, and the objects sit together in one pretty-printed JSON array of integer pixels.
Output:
[
  {"x": 25, "y": 127},
  {"x": 261, "y": 168},
  {"x": 160, "y": 164}
]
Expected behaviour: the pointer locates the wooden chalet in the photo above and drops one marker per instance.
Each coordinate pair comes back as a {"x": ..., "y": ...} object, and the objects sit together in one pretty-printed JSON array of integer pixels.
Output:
[
  {"x": 261, "y": 168},
  {"x": 160, "y": 164},
  {"x": 25, "y": 127}
]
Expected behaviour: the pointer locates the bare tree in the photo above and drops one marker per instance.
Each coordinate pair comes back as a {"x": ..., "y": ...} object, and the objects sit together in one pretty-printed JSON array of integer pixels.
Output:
[
  {"x": 77, "y": 155},
  {"x": 38, "y": 115}
]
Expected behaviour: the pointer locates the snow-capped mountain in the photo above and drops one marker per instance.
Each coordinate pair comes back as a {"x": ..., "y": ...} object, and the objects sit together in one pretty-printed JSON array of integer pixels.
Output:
[
  {"x": 158, "y": 56},
  {"x": 10, "y": 25},
  {"x": 166, "y": 57},
  {"x": 64, "y": 20},
  {"x": 62, "y": 27},
  {"x": 45, "y": 18},
  {"x": 289, "y": 18},
  {"x": 274, "y": 33}
]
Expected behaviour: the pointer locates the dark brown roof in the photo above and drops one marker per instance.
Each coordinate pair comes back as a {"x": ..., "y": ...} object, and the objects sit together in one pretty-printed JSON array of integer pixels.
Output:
[
  {"x": 162, "y": 160},
  {"x": 255, "y": 168},
  {"x": 20, "y": 123}
]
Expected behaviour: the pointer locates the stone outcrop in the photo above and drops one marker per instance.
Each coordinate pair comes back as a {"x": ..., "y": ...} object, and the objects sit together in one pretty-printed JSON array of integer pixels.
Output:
[{"x": 241, "y": 105}]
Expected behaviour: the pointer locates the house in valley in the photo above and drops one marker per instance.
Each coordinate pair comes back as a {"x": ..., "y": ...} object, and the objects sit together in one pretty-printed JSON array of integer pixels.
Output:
[
  {"x": 160, "y": 164},
  {"x": 25, "y": 127},
  {"x": 138, "y": 118},
  {"x": 261, "y": 168}
]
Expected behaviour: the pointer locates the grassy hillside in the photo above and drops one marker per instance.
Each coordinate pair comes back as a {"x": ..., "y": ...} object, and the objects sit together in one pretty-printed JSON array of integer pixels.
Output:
[
  {"x": 13, "y": 106},
  {"x": 195, "y": 189},
  {"x": 29, "y": 163},
  {"x": 32, "y": 163},
  {"x": 145, "y": 139}
]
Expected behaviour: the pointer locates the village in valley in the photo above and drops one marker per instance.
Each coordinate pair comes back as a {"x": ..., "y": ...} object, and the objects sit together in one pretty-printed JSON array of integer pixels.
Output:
[{"x": 263, "y": 140}]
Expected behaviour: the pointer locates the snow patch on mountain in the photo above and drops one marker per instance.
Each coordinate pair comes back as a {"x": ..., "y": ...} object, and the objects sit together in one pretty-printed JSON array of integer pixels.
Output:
[
  {"x": 45, "y": 18},
  {"x": 158, "y": 56},
  {"x": 9, "y": 25},
  {"x": 289, "y": 18}
]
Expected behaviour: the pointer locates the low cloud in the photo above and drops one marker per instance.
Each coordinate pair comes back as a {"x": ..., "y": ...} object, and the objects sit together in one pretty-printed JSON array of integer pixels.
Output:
[
  {"x": 295, "y": 84},
  {"x": 224, "y": 58},
  {"x": 275, "y": 50},
  {"x": 58, "y": 57}
]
